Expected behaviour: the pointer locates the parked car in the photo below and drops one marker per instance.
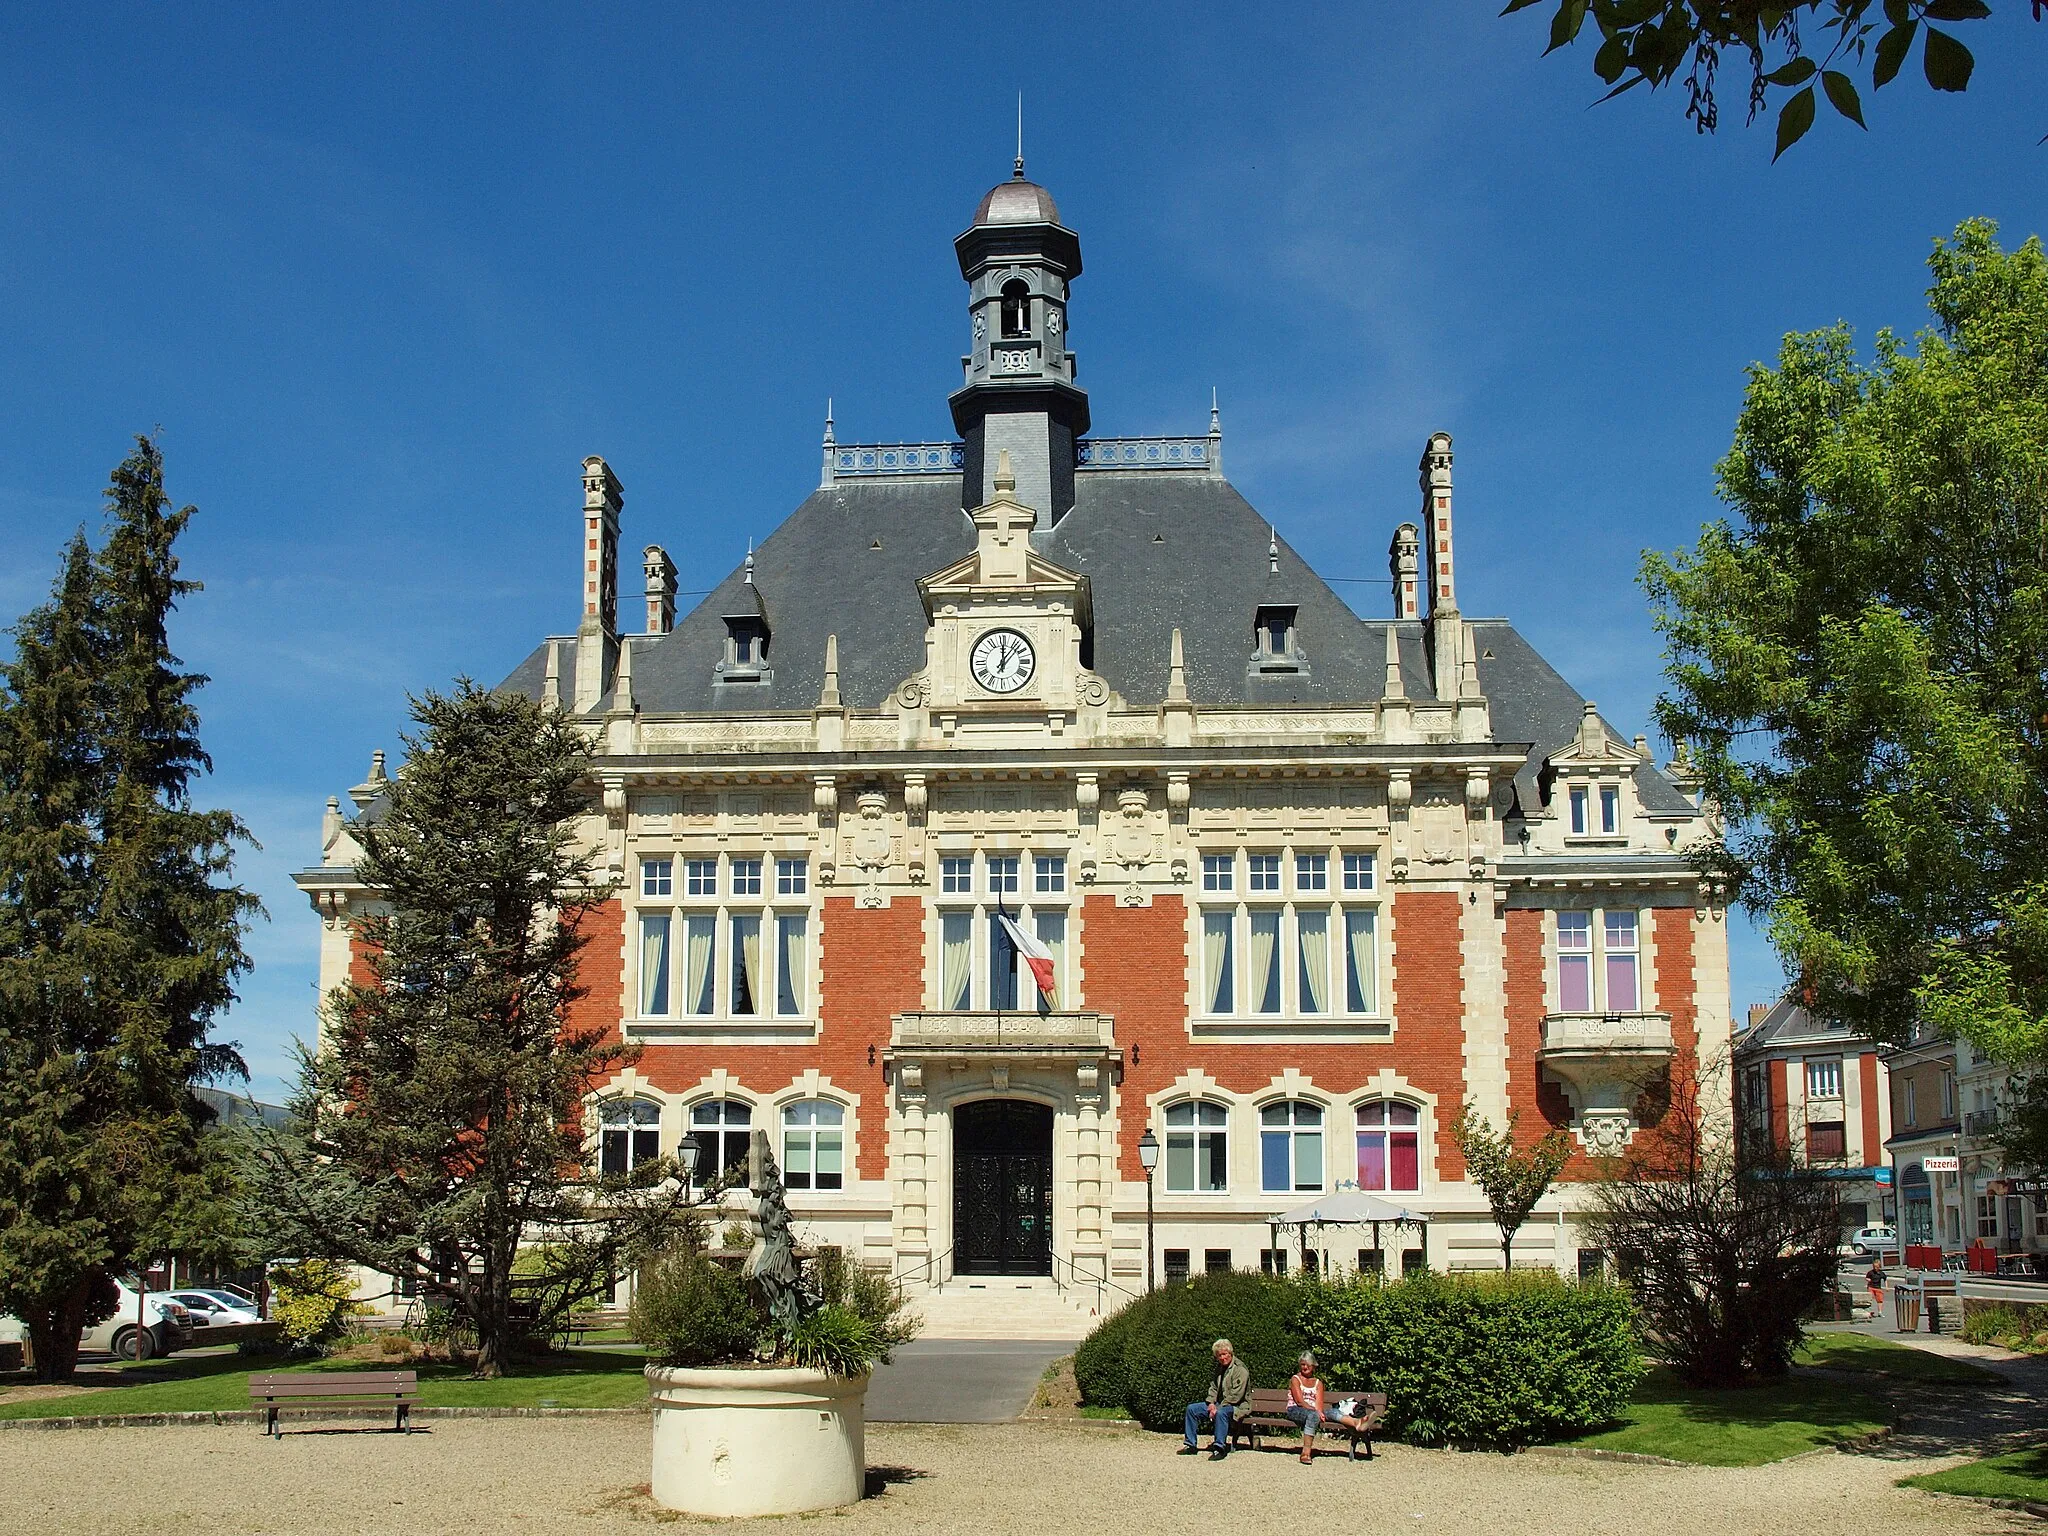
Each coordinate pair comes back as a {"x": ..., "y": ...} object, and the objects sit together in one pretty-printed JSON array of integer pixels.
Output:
[
  {"x": 1872, "y": 1240},
  {"x": 217, "y": 1308},
  {"x": 166, "y": 1326}
]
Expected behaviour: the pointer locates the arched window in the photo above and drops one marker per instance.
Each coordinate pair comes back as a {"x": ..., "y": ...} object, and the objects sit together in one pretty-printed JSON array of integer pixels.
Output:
[
  {"x": 814, "y": 1145},
  {"x": 629, "y": 1134},
  {"x": 1291, "y": 1147},
  {"x": 1197, "y": 1148},
  {"x": 1389, "y": 1146},
  {"x": 1016, "y": 308},
  {"x": 722, "y": 1128}
]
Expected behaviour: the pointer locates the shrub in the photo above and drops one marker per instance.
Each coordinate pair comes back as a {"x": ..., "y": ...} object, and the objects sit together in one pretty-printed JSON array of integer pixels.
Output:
[
  {"x": 1099, "y": 1372},
  {"x": 1484, "y": 1360},
  {"x": 2010, "y": 1325},
  {"x": 690, "y": 1310},
  {"x": 836, "y": 1339},
  {"x": 1155, "y": 1352},
  {"x": 314, "y": 1302},
  {"x": 876, "y": 1299}
]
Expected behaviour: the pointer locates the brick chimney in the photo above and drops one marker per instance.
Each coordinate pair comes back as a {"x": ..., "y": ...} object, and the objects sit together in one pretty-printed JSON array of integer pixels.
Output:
[
  {"x": 1403, "y": 559},
  {"x": 597, "y": 635},
  {"x": 661, "y": 590}
]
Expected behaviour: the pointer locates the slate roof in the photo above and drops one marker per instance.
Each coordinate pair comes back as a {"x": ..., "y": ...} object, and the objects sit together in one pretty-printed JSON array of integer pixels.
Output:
[{"x": 1161, "y": 551}]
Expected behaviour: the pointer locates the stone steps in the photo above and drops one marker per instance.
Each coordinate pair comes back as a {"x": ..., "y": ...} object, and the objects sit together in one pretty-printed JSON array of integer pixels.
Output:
[{"x": 1001, "y": 1307}]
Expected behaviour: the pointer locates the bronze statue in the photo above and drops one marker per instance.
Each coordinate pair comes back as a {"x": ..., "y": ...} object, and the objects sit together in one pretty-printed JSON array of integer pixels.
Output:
[{"x": 771, "y": 1273}]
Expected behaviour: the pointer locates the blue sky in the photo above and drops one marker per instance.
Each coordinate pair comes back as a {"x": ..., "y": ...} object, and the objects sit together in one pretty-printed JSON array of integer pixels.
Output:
[{"x": 383, "y": 275}]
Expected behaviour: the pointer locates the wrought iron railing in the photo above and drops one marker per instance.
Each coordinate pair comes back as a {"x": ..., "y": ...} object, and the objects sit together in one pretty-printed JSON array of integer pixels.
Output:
[
  {"x": 1146, "y": 453},
  {"x": 1080, "y": 1281},
  {"x": 846, "y": 461},
  {"x": 931, "y": 1273}
]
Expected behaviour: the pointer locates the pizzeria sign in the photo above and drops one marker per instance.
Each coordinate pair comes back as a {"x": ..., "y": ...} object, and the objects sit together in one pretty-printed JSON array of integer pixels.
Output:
[{"x": 1942, "y": 1164}]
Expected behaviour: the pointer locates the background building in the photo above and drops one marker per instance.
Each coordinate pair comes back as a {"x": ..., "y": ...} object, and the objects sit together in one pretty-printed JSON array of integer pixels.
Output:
[
  {"x": 1818, "y": 1089},
  {"x": 1302, "y": 883}
]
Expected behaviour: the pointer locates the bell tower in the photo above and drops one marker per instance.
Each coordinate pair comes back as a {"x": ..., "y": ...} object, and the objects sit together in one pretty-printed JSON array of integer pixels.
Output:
[{"x": 1020, "y": 397}]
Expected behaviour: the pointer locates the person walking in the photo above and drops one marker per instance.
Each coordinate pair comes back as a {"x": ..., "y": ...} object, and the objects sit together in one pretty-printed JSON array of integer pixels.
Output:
[
  {"x": 1875, "y": 1280},
  {"x": 1230, "y": 1385}
]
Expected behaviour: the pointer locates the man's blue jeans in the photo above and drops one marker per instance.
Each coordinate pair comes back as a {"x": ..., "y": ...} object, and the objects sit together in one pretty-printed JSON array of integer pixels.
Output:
[{"x": 1200, "y": 1411}]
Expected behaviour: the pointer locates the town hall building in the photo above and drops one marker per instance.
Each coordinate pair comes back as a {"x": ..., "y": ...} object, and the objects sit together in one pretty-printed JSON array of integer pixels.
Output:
[{"x": 1024, "y": 794}]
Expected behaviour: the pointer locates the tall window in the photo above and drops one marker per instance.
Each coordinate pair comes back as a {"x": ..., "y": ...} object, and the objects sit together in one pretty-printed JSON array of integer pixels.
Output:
[
  {"x": 1581, "y": 822},
  {"x": 1619, "y": 956},
  {"x": 1610, "y": 810},
  {"x": 722, "y": 1129},
  {"x": 978, "y": 965},
  {"x": 1197, "y": 1148},
  {"x": 1827, "y": 1141},
  {"x": 745, "y": 957},
  {"x": 1823, "y": 1077},
  {"x": 629, "y": 1134},
  {"x": 813, "y": 1145},
  {"x": 1291, "y": 1147},
  {"x": 1389, "y": 1147},
  {"x": 1312, "y": 956},
  {"x": 1948, "y": 1094}
]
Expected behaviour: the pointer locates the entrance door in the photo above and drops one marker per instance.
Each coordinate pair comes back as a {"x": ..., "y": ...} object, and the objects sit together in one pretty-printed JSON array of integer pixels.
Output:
[{"x": 1002, "y": 1188}]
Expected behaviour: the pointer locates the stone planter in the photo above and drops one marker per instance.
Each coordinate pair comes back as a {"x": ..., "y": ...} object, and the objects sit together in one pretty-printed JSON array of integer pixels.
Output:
[{"x": 757, "y": 1442}]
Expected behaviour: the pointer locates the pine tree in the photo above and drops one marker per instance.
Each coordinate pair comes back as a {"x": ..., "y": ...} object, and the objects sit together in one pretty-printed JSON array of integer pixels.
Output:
[
  {"x": 120, "y": 933},
  {"x": 439, "y": 1126}
]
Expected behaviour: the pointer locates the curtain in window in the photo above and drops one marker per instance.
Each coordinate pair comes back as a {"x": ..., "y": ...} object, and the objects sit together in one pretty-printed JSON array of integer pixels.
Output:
[
  {"x": 699, "y": 993},
  {"x": 1002, "y": 967},
  {"x": 1621, "y": 983},
  {"x": 790, "y": 932},
  {"x": 1361, "y": 963},
  {"x": 1180, "y": 1149},
  {"x": 654, "y": 965},
  {"x": 1575, "y": 962},
  {"x": 746, "y": 965},
  {"x": 1265, "y": 962},
  {"x": 1222, "y": 991},
  {"x": 1308, "y": 1150},
  {"x": 956, "y": 959},
  {"x": 1314, "y": 931},
  {"x": 1372, "y": 1159}
]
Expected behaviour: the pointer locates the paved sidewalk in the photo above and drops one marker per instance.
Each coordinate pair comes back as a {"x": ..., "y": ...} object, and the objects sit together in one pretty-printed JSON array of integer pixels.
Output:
[{"x": 961, "y": 1381}]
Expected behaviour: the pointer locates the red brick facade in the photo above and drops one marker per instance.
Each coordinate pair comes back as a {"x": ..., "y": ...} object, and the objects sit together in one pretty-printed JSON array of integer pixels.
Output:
[
  {"x": 1136, "y": 970},
  {"x": 870, "y": 966}
]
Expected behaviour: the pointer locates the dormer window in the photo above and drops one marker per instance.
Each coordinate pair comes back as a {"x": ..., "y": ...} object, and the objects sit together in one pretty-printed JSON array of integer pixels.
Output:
[
  {"x": 1274, "y": 647},
  {"x": 1016, "y": 308},
  {"x": 746, "y": 651}
]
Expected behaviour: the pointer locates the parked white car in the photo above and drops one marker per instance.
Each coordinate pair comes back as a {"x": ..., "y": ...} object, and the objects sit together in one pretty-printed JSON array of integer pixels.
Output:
[
  {"x": 212, "y": 1309},
  {"x": 166, "y": 1326},
  {"x": 1873, "y": 1240}
]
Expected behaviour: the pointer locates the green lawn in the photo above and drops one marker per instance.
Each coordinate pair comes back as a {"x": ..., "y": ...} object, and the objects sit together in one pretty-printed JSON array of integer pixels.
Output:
[
  {"x": 2017, "y": 1475},
  {"x": 1744, "y": 1427},
  {"x": 578, "y": 1379},
  {"x": 1882, "y": 1357}
]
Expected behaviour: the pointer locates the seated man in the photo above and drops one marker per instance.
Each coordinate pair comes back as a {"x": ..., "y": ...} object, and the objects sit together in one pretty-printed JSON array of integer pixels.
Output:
[{"x": 1229, "y": 1387}]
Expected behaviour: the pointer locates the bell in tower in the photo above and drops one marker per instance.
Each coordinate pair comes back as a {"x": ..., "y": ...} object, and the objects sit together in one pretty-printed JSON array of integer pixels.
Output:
[{"x": 1020, "y": 396}]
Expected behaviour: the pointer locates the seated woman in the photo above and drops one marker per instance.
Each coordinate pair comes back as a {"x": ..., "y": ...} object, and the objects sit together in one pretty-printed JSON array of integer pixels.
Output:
[{"x": 1308, "y": 1406}]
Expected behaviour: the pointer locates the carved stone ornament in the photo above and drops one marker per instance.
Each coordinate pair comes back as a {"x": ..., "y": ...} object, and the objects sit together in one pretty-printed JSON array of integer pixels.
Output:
[
  {"x": 1605, "y": 1133},
  {"x": 1089, "y": 869},
  {"x": 914, "y": 798},
  {"x": 871, "y": 835},
  {"x": 1399, "y": 790},
  {"x": 1177, "y": 791},
  {"x": 825, "y": 797},
  {"x": 1092, "y": 689},
  {"x": 999, "y": 1076},
  {"x": 615, "y": 801},
  {"x": 910, "y": 1079},
  {"x": 915, "y": 693}
]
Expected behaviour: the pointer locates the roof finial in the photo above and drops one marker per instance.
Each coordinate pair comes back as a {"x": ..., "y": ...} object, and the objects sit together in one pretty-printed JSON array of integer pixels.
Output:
[
  {"x": 1018, "y": 175},
  {"x": 1272, "y": 550},
  {"x": 750, "y": 561},
  {"x": 829, "y": 439},
  {"x": 1006, "y": 477},
  {"x": 1215, "y": 414}
]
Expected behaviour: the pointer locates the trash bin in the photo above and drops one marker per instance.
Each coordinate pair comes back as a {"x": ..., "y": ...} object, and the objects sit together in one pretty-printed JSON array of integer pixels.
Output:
[{"x": 1905, "y": 1307}]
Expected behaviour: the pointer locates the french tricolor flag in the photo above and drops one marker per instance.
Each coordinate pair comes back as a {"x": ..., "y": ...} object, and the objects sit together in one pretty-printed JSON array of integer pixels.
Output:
[{"x": 1035, "y": 954}]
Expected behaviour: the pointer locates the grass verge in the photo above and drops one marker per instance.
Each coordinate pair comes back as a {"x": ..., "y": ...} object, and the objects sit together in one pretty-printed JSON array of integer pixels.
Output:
[
  {"x": 1742, "y": 1427},
  {"x": 1881, "y": 1357},
  {"x": 2015, "y": 1475},
  {"x": 581, "y": 1379}
]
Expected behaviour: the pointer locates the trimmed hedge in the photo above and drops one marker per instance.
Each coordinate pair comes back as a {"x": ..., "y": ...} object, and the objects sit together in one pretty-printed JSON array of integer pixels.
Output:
[{"x": 1481, "y": 1360}]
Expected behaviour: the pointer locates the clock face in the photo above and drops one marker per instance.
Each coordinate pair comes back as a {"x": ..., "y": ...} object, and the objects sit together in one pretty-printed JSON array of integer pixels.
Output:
[{"x": 1002, "y": 661}]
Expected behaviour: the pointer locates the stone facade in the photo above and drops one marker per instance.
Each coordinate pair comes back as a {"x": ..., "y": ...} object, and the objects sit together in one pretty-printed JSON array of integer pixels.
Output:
[{"x": 1305, "y": 882}]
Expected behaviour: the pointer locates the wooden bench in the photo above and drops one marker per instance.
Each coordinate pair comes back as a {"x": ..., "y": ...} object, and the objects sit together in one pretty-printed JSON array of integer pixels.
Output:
[
  {"x": 293, "y": 1389},
  {"x": 1266, "y": 1411},
  {"x": 595, "y": 1320}
]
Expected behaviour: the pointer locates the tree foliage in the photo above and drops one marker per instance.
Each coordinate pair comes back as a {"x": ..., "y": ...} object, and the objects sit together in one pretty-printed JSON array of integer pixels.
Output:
[
  {"x": 1512, "y": 1177},
  {"x": 1725, "y": 1248},
  {"x": 1860, "y": 659},
  {"x": 1792, "y": 49},
  {"x": 440, "y": 1121},
  {"x": 120, "y": 928}
]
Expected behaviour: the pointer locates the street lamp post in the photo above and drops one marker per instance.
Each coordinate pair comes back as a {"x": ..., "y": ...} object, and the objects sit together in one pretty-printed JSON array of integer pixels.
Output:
[
  {"x": 1148, "y": 1154},
  {"x": 686, "y": 1154}
]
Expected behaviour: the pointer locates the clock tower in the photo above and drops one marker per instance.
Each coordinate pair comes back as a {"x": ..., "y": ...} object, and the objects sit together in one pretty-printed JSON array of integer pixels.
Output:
[{"x": 1020, "y": 397}]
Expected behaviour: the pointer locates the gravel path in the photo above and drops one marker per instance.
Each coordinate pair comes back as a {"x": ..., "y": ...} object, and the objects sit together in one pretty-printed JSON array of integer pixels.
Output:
[{"x": 539, "y": 1477}]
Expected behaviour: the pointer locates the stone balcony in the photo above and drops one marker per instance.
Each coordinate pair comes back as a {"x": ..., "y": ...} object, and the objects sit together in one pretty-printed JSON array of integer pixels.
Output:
[
  {"x": 1091, "y": 1034},
  {"x": 1604, "y": 1061}
]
